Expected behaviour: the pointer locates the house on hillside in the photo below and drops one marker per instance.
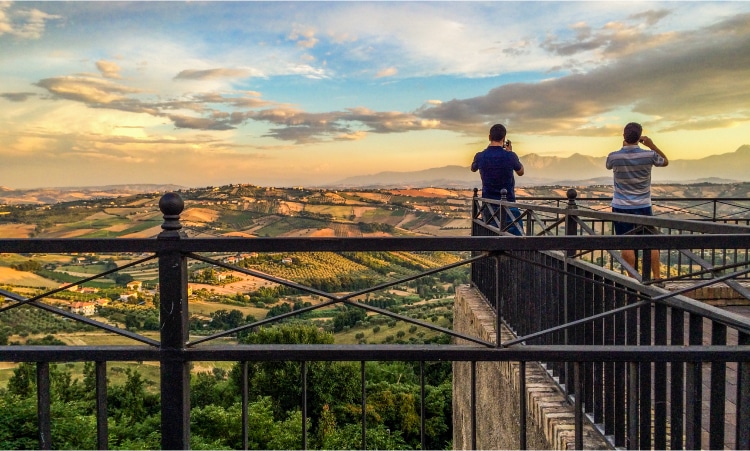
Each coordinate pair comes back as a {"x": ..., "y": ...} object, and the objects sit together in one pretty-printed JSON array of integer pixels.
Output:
[
  {"x": 83, "y": 308},
  {"x": 135, "y": 285}
]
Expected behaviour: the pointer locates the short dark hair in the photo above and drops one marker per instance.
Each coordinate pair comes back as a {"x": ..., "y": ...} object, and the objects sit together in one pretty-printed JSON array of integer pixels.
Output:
[
  {"x": 498, "y": 132},
  {"x": 632, "y": 132}
]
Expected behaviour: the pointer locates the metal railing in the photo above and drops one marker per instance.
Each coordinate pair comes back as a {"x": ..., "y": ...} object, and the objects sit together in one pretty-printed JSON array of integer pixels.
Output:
[
  {"x": 727, "y": 210},
  {"x": 569, "y": 329},
  {"x": 552, "y": 298}
]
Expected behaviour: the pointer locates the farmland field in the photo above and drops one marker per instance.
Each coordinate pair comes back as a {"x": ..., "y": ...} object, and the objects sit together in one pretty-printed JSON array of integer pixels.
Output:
[
  {"x": 16, "y": 230},
  {"x": 25, "y": 279}
]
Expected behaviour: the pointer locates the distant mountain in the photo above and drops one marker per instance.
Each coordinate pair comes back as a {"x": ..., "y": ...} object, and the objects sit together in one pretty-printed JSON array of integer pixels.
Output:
[
  {"x": 576, "y": 169},
  {"x": 732, "y": 165}
]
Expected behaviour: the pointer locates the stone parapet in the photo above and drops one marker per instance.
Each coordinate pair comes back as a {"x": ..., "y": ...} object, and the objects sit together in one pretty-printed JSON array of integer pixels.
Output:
[{"x": 549, "y": 416}]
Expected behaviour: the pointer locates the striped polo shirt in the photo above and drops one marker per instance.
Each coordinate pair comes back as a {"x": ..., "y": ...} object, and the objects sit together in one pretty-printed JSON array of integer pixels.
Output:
[{"x": 632, "y": 175}]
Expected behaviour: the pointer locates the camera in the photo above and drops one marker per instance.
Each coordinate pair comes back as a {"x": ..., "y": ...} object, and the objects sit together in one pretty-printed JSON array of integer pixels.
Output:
[{"x": 507, "y": 143}]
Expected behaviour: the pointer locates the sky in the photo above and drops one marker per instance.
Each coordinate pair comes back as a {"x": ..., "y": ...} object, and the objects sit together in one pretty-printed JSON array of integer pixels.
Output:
[{"x": 306, "y": 93}]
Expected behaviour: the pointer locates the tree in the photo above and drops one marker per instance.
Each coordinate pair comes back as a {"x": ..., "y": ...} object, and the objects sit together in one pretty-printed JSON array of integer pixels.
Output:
[
  {"x": 23, "y": 381},
  {"x": 123, "y": 279},
  {"x": 329, "y": 383}
]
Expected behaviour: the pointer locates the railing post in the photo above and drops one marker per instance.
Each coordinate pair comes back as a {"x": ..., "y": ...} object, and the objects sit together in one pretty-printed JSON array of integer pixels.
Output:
[
  {"x": 173, "y": 318},
  {"x": 503, "y": 213},
  {"x": 743, "y": 398},
  {"x": 474, "y": 202},
  {"x": 568, "y": 287}
]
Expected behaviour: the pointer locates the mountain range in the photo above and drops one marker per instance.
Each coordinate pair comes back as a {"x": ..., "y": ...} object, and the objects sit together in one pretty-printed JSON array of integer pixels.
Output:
[{"x": 576, "y": 170}]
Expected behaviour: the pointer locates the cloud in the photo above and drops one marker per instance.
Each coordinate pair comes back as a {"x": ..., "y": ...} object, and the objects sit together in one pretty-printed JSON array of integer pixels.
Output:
[
  {"x": 23, "y": 23},
  {"x": 199, "y": 123},
  {"x": 651, "y": 17},
  {"x": 88, "y": 90},
  {"x": 681, "y": 79},
  {"x": 387, "y": 72},
  {"x": 209, "y": 108},
  {"x": 17, "y": 96},
  {"x": 353, "y": 136},
  {"x": 108, "y": 69},
  {"x": 614, "y": 39},
  {"x": 304, "y": 38},
  {"x": 685, "y": 80},
  {"x": 210, "y": 74}
]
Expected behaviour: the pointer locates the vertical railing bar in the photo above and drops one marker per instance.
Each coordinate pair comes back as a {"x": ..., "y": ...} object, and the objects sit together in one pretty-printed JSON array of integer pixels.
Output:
[
  {"x": 598, "y": 367},
  {"x": 422, "y": 436},
  {"x": 644, "y": 390},
  {"x": 43, "y": 401},
  {"x": 578, "y": 405},
  {"x": 498, "y": 303},
  {"x": 571, "y": 229},
  {"x": 693, "y": 388},
  {"x": 588, "y": 339},
  {"x": 521, "y": 404},
  {"x": 718, "y": 390},
  {"x": 245, "y": 401},
  {"x": 632, "y": 375},
  {"x": 364, "y": 405},
  {"x": 660, "y": 379},
  {"x": 743, "y": 398},
  {"x": 304, "y": 404},
  {"x": 102, "y": 425},
  {"x": 620, "y": 374},
  {"x": 633, "y": 410},
  {"x": 609, "y": 367},
  {"x": 677, "y": 380},
  {"x": 473, "y": 404}
]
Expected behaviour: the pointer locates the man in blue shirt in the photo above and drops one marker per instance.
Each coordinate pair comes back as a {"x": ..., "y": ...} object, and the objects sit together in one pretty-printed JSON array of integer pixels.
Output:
[
  {"x": 496, "y": 165},
  {"x": 631, "y": 166}
]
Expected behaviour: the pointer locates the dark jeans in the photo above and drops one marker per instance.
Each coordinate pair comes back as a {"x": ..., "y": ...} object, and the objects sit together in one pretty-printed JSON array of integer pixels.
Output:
[
  {"x": 624, "y": 228},
  {"x": 514, "y": 229}
]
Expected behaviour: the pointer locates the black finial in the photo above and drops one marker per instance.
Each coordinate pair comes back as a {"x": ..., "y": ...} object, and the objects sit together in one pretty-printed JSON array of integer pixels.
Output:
[
  {"x": 171, "y": 205},
  {"x": 503, "y": 194},
  {"x": 572, "y": 194},
  {"x": 476, "y": 192}
]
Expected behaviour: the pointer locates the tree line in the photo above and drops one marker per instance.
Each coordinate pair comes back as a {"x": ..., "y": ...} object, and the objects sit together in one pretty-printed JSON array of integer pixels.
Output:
[{"x": 275, "y": 416}]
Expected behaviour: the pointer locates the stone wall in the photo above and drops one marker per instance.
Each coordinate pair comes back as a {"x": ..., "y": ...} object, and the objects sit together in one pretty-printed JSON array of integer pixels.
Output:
[{"x": 549, "y": 421}]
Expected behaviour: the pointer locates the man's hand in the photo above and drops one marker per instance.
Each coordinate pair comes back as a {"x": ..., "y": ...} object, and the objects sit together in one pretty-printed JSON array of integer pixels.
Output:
[
  {"x": 650, "y": 144},
  {"x": 645, "y": 140}
]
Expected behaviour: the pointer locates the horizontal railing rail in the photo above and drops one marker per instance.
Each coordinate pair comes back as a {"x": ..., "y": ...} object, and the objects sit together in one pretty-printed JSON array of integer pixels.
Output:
[{"x": 718, "y": 209}]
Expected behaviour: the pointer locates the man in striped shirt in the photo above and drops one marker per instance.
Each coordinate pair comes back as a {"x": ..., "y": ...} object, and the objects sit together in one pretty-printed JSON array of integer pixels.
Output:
[{"x": 631, "y": 166}]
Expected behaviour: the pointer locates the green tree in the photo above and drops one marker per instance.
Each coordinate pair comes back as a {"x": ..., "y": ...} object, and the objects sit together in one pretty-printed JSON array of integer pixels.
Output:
[
  {"x": 329, "y": 383},
  {"x": 131, "y": 403},
  {"x": 23, "y": 381}
]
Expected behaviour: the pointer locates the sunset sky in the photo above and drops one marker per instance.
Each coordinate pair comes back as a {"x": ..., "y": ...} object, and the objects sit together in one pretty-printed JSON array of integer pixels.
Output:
[{"x": 304, "y": 93}]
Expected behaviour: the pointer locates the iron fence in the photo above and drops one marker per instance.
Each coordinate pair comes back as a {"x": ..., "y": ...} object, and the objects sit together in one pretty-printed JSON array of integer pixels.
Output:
[
  {"x": 589, "y": 326},
  {"x": 559, "y": 298}
]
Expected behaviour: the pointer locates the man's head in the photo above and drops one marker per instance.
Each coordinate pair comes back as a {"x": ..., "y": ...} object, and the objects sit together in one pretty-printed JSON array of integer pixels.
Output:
[
  {"x": 498, "y": 132},
  {"x": 632, "y": 133}
]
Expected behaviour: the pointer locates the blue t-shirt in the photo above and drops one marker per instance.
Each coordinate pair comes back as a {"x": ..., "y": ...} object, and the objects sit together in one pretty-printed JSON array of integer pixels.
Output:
[{"x": 496, "y": 166}]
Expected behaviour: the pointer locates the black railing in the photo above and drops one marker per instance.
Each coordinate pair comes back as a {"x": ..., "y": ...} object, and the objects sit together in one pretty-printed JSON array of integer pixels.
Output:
[
  {"x": 727, "y": 210},
  {"x": 579, "y": 313},
  {"x": 558, "y": 298}
]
